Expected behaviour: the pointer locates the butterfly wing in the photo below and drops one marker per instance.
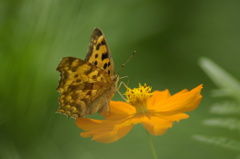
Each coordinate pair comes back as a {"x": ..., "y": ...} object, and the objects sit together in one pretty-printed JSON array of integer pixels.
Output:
[
  {"x": 87, "y": 86},
  {"x": 99, "y": 54},
  {"x": 84, "y": 88}
]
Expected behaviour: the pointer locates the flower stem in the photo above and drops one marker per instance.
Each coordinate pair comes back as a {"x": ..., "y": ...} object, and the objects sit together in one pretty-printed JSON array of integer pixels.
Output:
[{"x": 152, "y": 147}]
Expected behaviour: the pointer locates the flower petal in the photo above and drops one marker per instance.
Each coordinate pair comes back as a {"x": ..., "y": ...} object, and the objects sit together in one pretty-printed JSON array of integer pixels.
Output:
[
  {"x": 157, "y": 97},
  {"x": 119, "y": 110},
  {"x": 107, "y": 135},
  {"x": 157, "y": 123},
  {"x": 171, "y": 116},
  {"x": 157, "y": 126},
  {"x": 88, "y": 124},
  {"x": 104, "y": 131},
  {"x": 182, "y": 101}
]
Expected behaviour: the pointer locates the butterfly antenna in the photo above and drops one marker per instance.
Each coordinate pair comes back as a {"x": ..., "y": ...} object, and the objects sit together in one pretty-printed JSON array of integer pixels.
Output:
[{"x": 123, "y": 65}]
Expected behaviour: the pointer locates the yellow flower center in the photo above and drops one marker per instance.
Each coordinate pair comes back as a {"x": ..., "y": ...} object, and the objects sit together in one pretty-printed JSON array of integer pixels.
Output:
[{"x": 138, "y": 97}]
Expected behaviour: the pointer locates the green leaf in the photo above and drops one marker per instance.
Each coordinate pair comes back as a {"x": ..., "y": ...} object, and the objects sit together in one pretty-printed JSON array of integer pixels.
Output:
[
  {"x": 219, "y": 141},
  {"x": 229, "y": 123},
  {"x": 227, "y": 84},
  {"x": 225, "y": 108}
]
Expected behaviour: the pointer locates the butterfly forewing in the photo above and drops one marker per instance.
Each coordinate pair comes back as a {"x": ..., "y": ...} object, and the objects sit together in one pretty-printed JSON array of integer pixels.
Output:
[{"x": 99, "y": 54}]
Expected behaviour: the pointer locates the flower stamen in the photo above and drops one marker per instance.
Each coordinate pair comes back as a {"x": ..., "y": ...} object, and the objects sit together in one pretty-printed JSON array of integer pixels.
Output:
[{"x": 138, "y": 97}]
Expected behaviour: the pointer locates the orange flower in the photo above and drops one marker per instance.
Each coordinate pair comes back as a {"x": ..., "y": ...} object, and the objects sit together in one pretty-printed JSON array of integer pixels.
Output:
[{"x": 155, "y": 111}]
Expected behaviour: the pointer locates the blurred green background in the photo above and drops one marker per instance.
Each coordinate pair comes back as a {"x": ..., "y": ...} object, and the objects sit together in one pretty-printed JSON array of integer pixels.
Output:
[{"x": 168, "y": 36}]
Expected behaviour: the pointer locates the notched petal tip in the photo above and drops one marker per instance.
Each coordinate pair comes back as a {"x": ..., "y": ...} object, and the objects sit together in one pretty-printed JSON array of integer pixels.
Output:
[{"x": 182, "y": 101}]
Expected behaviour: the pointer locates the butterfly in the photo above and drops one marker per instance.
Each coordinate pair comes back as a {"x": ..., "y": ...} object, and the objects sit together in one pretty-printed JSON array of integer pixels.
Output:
[{"x": 87, "y": 86}]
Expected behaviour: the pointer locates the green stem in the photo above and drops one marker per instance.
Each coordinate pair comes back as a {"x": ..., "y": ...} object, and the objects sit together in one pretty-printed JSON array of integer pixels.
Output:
[{"x": 152, "y": 147}]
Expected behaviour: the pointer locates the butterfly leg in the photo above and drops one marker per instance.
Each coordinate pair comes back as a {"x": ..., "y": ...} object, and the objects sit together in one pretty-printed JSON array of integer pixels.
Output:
[
  {"x": 123, "y": 77},
  {"x": 119, "y": 86},
  {"x": 123, "y": 83}
]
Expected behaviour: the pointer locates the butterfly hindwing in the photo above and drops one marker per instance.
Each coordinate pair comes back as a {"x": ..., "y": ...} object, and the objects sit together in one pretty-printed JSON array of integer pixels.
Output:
[{"x": 81, "y": 84}]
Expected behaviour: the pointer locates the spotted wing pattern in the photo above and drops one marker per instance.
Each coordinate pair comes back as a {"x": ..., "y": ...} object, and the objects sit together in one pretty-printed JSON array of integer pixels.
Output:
[{"x": 87, "y": 86}]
